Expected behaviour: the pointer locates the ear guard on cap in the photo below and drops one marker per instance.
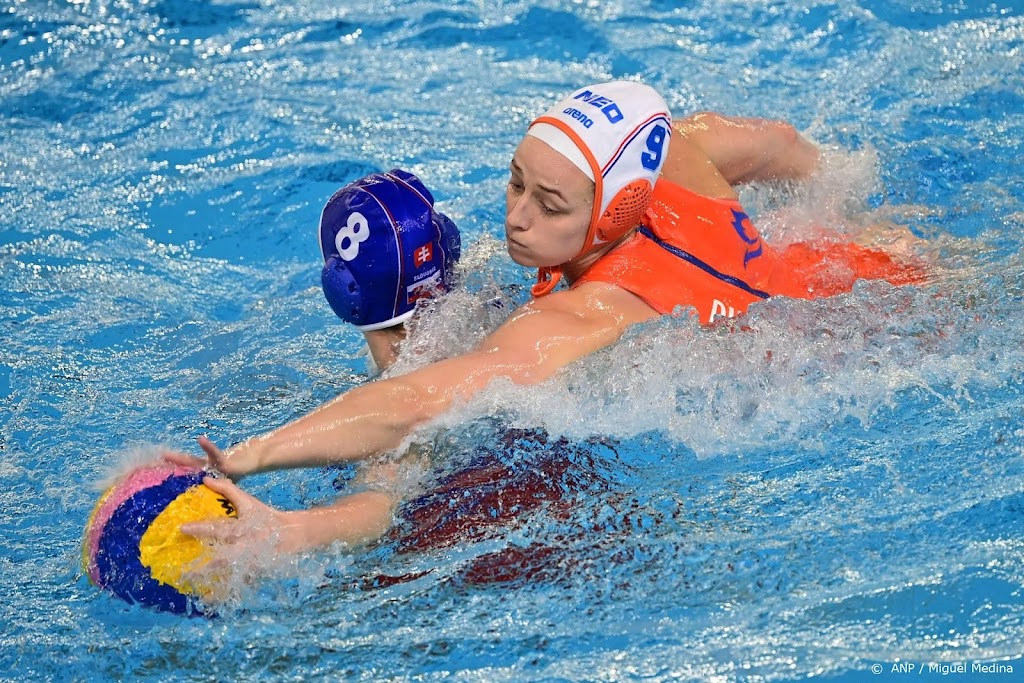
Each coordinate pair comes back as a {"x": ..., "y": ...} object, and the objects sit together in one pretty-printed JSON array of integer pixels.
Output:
[
  {"x": 384, "y": 247},
  {"x": 624, "y": 213}
]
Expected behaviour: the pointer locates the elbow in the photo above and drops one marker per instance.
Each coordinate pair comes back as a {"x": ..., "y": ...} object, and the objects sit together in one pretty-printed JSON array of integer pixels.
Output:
[
  {"x": 787, "y": 135},
  {"x": 787, "y": 155},
  {"x": 390, "y": 409},
  {"x": 802, "y": 153},
  {"x": 409, "y": 405}
]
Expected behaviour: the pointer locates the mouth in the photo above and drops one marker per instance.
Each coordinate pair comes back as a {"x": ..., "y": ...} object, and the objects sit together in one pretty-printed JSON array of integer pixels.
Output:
[{"x": 518, "y": 252}]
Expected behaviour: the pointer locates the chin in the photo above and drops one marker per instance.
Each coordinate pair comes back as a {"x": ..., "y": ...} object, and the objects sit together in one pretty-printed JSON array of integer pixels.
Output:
[
  {"x": 522, "y": 260},
  {"x": 526, "y": 257}
]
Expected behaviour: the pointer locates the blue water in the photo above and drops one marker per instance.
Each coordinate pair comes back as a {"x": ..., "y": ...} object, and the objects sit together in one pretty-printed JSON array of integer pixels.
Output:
[{"x": 838, "y": 485}]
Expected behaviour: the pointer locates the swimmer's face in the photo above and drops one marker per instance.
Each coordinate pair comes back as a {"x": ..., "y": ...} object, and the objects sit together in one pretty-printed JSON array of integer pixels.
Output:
[{"x": 547, "y": 206}]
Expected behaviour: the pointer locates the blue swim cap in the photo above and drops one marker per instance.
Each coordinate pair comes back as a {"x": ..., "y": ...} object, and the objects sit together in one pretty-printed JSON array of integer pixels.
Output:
[{"x": 384, "y": 247}]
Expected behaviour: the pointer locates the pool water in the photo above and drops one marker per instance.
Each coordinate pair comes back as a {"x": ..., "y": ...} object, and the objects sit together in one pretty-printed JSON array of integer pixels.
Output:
[{"x": 832, "y": 486}]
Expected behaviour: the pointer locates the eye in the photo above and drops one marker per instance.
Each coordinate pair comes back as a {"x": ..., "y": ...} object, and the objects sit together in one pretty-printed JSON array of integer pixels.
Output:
[
  {"x": 548, "y": 210},
  {"x": 515, "y": 185}
]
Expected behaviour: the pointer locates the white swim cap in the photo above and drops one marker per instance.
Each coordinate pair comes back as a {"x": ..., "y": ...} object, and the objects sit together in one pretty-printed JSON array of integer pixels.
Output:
[{"x": 617, "y": 133}]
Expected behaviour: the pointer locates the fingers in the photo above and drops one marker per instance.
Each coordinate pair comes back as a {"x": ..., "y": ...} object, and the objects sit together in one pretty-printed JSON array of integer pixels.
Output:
[
  {"x": 183, "y": 460},
  {"x": 210, "y": 447},
  {"x": 225, "y": 530},
  {"x": 215, "y": 454},
  {"x": 248, "y": 508},
  {"x": 222, "y": 461},
  {"x": 228, "y": 489},
  {"x": 237, "y": 547},
  {"x": 216, "y": 458}
]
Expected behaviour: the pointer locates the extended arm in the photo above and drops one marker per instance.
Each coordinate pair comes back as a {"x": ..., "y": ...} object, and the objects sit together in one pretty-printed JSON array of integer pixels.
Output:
[
  {"x": 538, "y": 340},
  {"x": 534, "y": 344}
]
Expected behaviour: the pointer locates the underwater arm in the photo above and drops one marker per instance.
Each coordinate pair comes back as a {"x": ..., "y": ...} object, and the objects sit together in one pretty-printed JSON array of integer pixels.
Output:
[
  {"x": 260, "y": 532},
  {"x": 745, "y": 150}
]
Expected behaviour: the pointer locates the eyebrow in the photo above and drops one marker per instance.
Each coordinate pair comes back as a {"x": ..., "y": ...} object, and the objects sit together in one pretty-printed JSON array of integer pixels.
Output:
[
  {"x": 545, "y": 188},
  {"x": 554, "y": 191}
]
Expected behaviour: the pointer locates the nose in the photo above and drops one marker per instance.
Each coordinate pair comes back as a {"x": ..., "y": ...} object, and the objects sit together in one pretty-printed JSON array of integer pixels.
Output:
[{"x": 516, "y": 219}]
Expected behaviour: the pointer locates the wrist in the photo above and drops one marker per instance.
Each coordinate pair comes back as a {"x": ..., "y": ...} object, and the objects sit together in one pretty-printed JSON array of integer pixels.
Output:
[
  {"x": 292, "y": 534},
  {"x": 246, "y": 457}
]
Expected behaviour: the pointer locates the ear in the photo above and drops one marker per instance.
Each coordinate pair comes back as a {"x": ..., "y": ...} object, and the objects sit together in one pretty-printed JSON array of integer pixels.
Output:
[{"x": 342, "y": 291}]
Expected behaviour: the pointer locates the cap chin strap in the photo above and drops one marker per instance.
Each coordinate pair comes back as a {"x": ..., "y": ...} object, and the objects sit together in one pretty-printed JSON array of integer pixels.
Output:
[{"x": 547, "y": 279}]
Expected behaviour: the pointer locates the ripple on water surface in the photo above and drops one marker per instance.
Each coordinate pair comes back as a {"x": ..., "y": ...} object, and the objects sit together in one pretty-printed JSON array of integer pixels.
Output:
[{"x": 822, "y": 486}]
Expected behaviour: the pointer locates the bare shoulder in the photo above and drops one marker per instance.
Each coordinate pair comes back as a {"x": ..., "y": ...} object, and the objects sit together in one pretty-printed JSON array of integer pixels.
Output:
[{"x": 599, "y": 302}]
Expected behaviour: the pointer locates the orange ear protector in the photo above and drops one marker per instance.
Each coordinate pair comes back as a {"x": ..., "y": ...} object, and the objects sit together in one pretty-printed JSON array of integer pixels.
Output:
[{"x": 624, "y": 213}]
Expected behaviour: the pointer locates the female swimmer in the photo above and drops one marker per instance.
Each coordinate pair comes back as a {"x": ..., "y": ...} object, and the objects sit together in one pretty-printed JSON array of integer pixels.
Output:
[{"x": 635, "y": 226}]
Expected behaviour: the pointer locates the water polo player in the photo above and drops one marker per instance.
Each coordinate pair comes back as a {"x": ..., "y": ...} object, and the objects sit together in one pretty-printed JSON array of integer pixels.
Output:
[{"x": 636, "y": 216}]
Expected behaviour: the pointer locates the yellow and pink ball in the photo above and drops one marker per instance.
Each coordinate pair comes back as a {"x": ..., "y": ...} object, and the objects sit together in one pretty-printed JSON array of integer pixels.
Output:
[{"x": 133, "y": 545}]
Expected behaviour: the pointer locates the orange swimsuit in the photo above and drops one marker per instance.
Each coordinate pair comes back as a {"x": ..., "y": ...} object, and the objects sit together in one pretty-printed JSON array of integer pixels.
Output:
[{"x": 704, "y": 253}]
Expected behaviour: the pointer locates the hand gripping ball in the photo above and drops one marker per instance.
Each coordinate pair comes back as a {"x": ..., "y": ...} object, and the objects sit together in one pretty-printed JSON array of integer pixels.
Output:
[{"x": 133, "y": 545}]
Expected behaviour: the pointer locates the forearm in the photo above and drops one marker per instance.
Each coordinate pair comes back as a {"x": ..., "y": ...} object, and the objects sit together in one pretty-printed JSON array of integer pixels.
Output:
[
  {"x": 362, "y": 422},
  {"x": 375, "y": 418},
  {"x": 776, "y": 152},
  {"x": 355, "y": 520},
  {"x": 746, "y": 150},
  {"x": 530, "y": 347}
]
